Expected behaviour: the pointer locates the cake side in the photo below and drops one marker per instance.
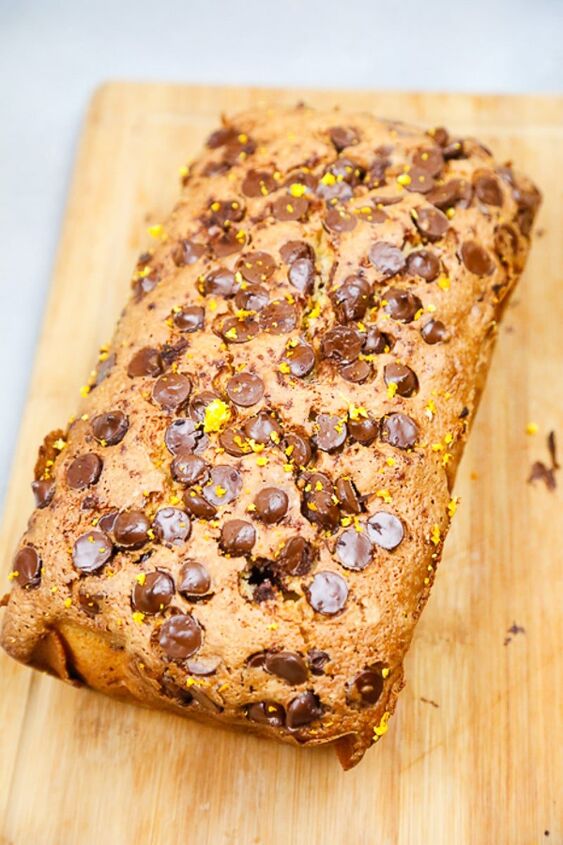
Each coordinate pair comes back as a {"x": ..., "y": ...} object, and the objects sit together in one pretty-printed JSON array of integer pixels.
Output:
[{"x": 244, "y": 520}]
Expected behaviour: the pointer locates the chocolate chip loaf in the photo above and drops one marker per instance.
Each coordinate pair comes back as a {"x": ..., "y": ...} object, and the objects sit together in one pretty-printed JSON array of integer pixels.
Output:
[{"x": 244, "y": 520}]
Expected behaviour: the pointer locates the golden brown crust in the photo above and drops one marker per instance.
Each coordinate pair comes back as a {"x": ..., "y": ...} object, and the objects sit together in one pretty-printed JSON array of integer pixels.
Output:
[{"x": 317, "y": 316}]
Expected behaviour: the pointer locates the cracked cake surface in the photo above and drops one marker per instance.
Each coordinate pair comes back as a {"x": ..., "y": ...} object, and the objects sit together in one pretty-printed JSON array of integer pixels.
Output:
[{"x": 244, "y": 519}]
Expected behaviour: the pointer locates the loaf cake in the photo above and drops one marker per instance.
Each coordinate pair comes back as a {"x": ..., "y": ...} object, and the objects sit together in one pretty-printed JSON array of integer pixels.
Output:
[{"x": 243, "y": 522}]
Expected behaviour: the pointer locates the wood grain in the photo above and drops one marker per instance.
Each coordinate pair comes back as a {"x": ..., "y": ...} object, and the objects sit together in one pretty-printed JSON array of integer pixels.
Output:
[{"x": 472, "y": 753}]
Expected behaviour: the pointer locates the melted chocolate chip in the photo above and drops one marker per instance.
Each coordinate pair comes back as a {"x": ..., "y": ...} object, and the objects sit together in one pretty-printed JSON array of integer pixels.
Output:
[
  {"x": 197, "y": 506},
  {"x": 224, "y": 485},
  {"x": 403, "y": 377},
  {"x": 351, "y": 299},
  {"x": 421, "y": 181},
  {"x": 266, "y": 713},
  {"x": 172, "y": 391},
  {"x": 219, "y": 282},
  {"x": 338, "y": 219},
  {"x": 279, "y": 317},
  {"x": 401, "y": 304},
  {"x": 258, "y": 183},
  {"x": 301, "y": 275},
  {"x": 363, "y": 430},
  {"x": 195, "y": 580},
  {"x": 27, "y": 564},
  {"x": 343, "y": 136},
  {"x": 180, "y": 636},
  {"x": 387, "y": 259},
  {"x": 303, "y": 710},
  {"x": 252, "y": 298},
  {"x": 357, "y": 372},
  {"x": 348, "y": 496},
  {"x": 271, "y": 504},
  {"x": 343, "y": 343},
  {"x": 385, "y": 530},
  {"x": 130, "y": 529},
  {"x": 245, "y": 389},
  {"x": 145, "y": 362},
  {"x": 84, "y": 471},
  {"x": 234, "y": 442},
  {"x": 454, "y": 192},
  {"x": 327, "y": 593},
  {"x": 187, "y": 252},
  {"x": 110, "y": 428},
  {"x": 424, "y": 263},
  {"x": 320, "y": 506},
  {"x": 90, "y": 551},
  {"x": 188, "y": 469},
  {"x": 290, "y": 208},
  {"x": 300, "y": 359},
  {"x": 203, "y": 665},
  {"x": 317, "y": 661},
  {"x": 221, "y": 136},
  {"x": 330, "y": 432},
  {"x": 369, "y": 686},
  {"x": 263, "y": 428},
  {"x": 375, "y": 341},
  {"x": 154, "y": 593},
  {"x": 190, "y": 319},
  {"x": 172, "y": 526},
  {"x": 199, "y": 403},
  {"x": 434, "y": 331},
  {"x": 237, "y": 537},
  {"x": 235, "y": 330},
  {"x": 287, "y": 665},
  {"x": 257, "y": 266},
  {"x": 429, "y": 159},
  {"x": 353, "y": 549},
  {"x": 399, "y": 430},
  {"x": 431, "y": 223},
  {"x": 297, "y": 449},
  {"x": 225, "y": 211},
  {"x": 296, "y": 556},
  {"x": 293, "y": 250},
  {"x": 107, "y": 521},
  {"x": 43, "y": 491},
  {"x": 488, "y": 190},
  {"x": 182, "y": 436},
  {"x": 227, "y": 243},
  {"x": 476, "y": 259}
]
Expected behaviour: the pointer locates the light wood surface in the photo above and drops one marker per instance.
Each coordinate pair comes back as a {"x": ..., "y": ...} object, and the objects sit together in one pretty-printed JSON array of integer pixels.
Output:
[{"x": 473, "y": 754}]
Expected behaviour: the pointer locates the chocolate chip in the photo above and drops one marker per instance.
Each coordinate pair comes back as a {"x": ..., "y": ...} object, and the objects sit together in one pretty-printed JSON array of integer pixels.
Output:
[
  {"x": 221, "y": 136},
  {"x": 130, "y": 529},
  {"x": 198, "y": 507},
  {"x": 351, "y": 299},
  {"x": 387, "y": 258},
  {"x": 454, "y": 149},
  {"x": 476, "y": 259},
  {"x": 424, "y": 263},
  {"x": 245, "y": 389},
  {"x": 252, "y": 298},
  {"x": 195, "y": 580},
  {"x": 287, "y": 665},
  {"x": 488, "y": 190},
  {"x": 279, "y": 317},
  {"x": 369, "y": 686},
  {"x": 343, "y": 136},
  {"x": 223, "y": 211},
  {"x": 172, "y": 526},
  {"x": 234, "y": 442},
  {"x": 187, "y": 252},
  {"x": 227, "y": 243},
  {"x": 317, "y": 661},
  {"x": 403, "y": 377},
  {"x": 224, "y": 485},
  {"x": 235, "y": 330},
  {"x": 303, "y": 710},
  {"x": 110, "y": 428},
  {"x": 434, "y": 331},
  {"x": 296, "y": 556},
  {"x": 346, "y": 171},
  {"x": 302, "y": 177},
  {"x": 348, "y": 496},
  {"x": 91, "y": 551},
  {"x": 145, "y": 362},
  {"x": 421, "y": 181},
  {"x": 258, "y": 183},
  {"x": 200, "y": 402},
  {"x": 357, "y": 372},
  {"x": 399, "y": 430},
  {"x": 266, "y": 713},
  {"x": 330, "y": 432},
  {"x": 43, "y": 491},
  {"x": 301, "y": 275},
  {"x": 239, "y": 149},
  {"x": 338, "y": 219},
  {"x": 84, "y": 471},
  {"x": 107, "y": 521},
  {"x": 180, "y": 636},
  {"x": 363, "y": 430},
  {"x": 343, "y": 343},
  {"x": 429, "y": 159},
  {"x": 219, "y": 282},
  {"x": 385, "y": 530},
  {"x": 297, "y": 449},
  {"x": 290, "y": 208},
  {"x": 293, "y": 250},
  {"x": 376, "y": 342},
  {"x": 203, "y": 665},
  {"x": 172, "y": 391},
  {"x": 182, "y": 436},
  {"x": 257, "y": 266},
  {"x": 271, "y": 504},
  {"x": 27, "y": 564},
  {"x": 327, "y": 593},
  {"x": 454, "y": 192},
  {"x": 431, "y": 223},
  {"x": 188, "y": 469},
  {"x": 190, "y": 319},
  {"x": 154, "y": 593},
  {"x": 353, "y": 549},
  {"x": 237, "y": 537},
  {"x": 300, "y": 359},
  {"x": 401, "y": 304},
  {"x": 256, "y": 660},
  {"x": 89, "y": 603},
  {"x": 263, "y": 428}
]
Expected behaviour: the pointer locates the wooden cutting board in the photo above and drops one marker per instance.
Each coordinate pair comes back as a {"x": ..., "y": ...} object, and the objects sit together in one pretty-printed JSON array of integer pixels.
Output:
[{"x": 472, "y": 752}]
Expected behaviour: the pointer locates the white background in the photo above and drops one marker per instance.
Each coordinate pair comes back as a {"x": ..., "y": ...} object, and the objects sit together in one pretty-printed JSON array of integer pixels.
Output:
[{"x": 54, "y": 54}]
